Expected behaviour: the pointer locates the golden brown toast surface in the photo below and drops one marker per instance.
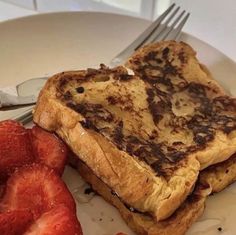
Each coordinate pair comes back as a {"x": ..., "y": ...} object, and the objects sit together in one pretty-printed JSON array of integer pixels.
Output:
[
  {"x": 212, "y": 180},
  {"x": 145, "y": 135}
]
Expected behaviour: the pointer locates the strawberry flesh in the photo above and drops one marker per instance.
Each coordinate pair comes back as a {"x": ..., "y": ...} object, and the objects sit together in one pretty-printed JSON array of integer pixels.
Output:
[
  {"x": 49, "y": 149},
  {"x": 15, "y": 222},
  {"x": 15, "y": 148},
  {"x": 34, "y": 200},
  {"x": 57, "y": 221},
  {"x": 35, "y": 187},
  {"x": 10, "y": 126}
]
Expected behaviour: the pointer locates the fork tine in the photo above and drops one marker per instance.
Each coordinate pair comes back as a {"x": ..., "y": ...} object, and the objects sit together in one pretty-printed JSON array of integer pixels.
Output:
[
  {"x": 138, "y": 42},
  {"x": 154, "y": 31},
  {"x": 24, "y": 117},
  {"x": 143, "y": 36},
  {"x": 161, "y": 27},
  {"x": 172, "y": 15},
  {"x": 171, "y": 27},
  {"x": 174, "y": 34}
]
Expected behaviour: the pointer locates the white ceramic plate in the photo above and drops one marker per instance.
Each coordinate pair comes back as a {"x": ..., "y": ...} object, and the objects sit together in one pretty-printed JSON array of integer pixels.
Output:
[{"x": 42, "y": 45}]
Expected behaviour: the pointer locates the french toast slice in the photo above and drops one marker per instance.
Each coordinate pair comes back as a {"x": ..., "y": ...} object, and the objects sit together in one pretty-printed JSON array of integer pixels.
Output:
[
  {"x": 186, "y": 101},
  {"x": 146, "y": 140},
  {"x": 211, "y": 180}
]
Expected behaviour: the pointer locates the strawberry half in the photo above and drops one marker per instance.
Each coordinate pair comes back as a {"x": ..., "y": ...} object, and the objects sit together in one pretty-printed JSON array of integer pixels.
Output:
[
  {"x": 57, "y": 221},
  {"x": 15, "y": 222},
  {"x": 48, "y": 149},
  {"x": 11, "y": 126},
  {"x": 35, "y": 187},
  {"x": 15, "y": 148}
]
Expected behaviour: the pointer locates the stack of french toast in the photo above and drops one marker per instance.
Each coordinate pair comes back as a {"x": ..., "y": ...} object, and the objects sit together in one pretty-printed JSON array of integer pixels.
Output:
[{"x": 154, "y": 137}]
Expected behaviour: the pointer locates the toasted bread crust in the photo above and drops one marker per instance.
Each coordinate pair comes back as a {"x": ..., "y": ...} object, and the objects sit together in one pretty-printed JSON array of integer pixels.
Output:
[
  {"x": 179, "y": 61},
  {"x": 219, "y": 175},
  {"x": 211, "y": 180},
  {"x": 177, "y": 224},
  {"x": 158, "y": 188},
  {"x": 135, "y": 184},
  {"x": 186, "y": 57}
]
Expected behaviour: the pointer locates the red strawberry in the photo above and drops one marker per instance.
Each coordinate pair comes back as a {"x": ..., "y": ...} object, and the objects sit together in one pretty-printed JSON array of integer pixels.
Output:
[
  {"x": 35, "y": 187},
  {"x": 48, "y": 149},
  {"x": 11, "y": 126},
  {"x": 15, "y": 148},
  {"x": 2, "y": 189},
  {"x": 15, "y": 222},
  {"x": 57, "y": 221}
]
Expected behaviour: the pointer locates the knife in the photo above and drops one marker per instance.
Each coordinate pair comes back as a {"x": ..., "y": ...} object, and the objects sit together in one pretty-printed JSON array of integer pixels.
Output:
[
  {"x": 17, "y": 102},
  {"x": 157, "y": 31},
  {"x": 25, "y": 93}
]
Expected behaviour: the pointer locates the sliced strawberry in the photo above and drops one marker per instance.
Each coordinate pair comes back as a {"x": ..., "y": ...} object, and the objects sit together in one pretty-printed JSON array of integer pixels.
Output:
[
  {"x": 35, "y": 187},
  {"x": 15, "y": 222},
  {"x": 15, "y": 148},
  {"x": 2, "y": 189},
  {"x": 48, "y": 149},
  {"x": 57, "y": 221},
  {"x": 11, "y": 126}
]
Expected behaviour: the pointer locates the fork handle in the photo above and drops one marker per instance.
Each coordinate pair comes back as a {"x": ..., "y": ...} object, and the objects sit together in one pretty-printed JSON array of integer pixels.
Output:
[{"x": 25, "y": 117}]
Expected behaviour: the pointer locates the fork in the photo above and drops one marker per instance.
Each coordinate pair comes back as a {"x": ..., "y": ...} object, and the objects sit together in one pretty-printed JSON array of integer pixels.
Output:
[{"x": 167, "y": 26}]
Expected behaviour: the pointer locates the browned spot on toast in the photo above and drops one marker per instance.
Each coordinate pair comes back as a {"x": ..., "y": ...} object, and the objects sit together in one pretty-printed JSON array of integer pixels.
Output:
[{"x": 176, "y": 107}]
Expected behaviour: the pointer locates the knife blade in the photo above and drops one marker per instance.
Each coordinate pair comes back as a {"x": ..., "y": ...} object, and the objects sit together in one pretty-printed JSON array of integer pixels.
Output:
[{"x": 25, "y": 93}]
